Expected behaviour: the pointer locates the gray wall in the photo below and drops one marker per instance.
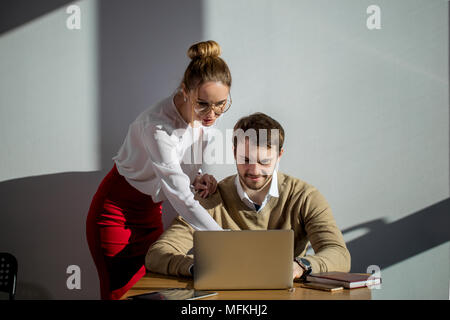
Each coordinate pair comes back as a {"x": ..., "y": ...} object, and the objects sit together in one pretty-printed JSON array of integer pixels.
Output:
[
  {"x": 67, "y": 98},
  {"x": 366, "y": 114},
  {"x": 49, "y": 141}
]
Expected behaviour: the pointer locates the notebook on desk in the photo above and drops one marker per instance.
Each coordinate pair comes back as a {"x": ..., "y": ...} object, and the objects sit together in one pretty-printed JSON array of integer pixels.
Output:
[
  {"x": 249, "y": 259},
  {"x": 345, "y": 279}
]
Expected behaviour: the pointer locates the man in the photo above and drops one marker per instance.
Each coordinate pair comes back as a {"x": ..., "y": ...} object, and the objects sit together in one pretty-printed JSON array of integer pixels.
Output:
[{"x": 259, "y": 197}]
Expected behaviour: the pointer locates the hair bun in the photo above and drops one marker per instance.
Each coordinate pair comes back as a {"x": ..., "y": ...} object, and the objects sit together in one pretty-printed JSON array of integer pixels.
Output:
[{"x": 204, "y": 49}]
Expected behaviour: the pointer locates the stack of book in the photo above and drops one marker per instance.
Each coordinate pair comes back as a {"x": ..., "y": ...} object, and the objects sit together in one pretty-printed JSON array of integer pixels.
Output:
[{"x": 345, "y": 279}]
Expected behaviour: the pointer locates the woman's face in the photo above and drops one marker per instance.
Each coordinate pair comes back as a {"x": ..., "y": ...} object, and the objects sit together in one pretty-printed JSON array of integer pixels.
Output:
[{"x": 206, "y": 96}]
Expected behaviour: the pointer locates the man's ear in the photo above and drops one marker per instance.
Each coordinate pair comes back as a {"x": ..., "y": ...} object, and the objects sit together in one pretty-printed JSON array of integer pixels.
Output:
[
  {"x": 234, "y": 153},
  {"x": 281, "y": 153}
]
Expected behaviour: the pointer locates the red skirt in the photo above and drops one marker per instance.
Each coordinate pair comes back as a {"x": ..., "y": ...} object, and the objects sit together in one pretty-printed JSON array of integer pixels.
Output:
[{"x": 121, "y": 225}]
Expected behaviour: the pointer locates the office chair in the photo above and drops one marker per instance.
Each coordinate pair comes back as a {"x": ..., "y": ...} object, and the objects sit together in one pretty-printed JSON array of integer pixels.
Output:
[{"x": 8, "y": 274}]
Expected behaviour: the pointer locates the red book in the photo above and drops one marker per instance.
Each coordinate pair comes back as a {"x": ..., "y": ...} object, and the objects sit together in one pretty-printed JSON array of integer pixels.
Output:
[{"x": 345, "y": 279}]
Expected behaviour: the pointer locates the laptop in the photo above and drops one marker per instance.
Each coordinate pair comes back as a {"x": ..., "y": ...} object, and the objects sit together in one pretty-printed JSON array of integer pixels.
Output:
[{"x": 247, "y": 259}]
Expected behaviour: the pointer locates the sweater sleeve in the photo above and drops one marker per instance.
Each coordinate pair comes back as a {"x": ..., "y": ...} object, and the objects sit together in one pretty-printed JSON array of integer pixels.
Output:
[
  {"x": 331, "y": 253},
  {"x": 172, "y": 254}
]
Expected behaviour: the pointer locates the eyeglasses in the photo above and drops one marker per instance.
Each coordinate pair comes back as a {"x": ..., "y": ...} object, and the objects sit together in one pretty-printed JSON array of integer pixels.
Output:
[{"x": 202, "y": 107}]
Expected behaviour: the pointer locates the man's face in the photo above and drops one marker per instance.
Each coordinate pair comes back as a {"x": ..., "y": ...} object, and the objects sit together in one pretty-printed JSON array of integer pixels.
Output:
[{"x": 255, "y": 165}]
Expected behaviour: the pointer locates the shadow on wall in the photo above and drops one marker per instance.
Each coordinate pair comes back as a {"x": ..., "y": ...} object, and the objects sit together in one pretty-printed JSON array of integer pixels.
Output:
[
  {"x": 141, "y": 59},
  {"x": 43, "y": 225},
  {"x": 14, "y": 13},
  {"x": 389, "y": 243},
  {"x": 142, "y": 49}
]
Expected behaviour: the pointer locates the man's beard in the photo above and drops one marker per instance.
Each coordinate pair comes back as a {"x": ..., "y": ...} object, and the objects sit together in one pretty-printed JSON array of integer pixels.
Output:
[{"x": 255, "y": 186}]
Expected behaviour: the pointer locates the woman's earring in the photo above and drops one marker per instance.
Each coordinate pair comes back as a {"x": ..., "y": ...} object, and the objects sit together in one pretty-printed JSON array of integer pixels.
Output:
[{"x": 182, "y": 93}]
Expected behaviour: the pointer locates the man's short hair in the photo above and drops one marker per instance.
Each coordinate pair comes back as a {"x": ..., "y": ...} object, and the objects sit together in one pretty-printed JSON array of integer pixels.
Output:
[{"x": 264, "y": 128}]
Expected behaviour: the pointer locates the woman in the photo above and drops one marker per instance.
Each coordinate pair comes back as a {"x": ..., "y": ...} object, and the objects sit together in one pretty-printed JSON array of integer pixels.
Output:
[{"x": 153, "y": 165}]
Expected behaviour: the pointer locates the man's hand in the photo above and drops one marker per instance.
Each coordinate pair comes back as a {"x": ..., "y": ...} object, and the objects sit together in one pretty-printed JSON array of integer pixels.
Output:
[
  {"x": 205, "y": 185},
  {"x": 298, "y": 271}
]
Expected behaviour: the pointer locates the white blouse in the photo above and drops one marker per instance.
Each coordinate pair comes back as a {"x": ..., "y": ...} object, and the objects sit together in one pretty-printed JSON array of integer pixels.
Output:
[{"x": 158, "y": 159}]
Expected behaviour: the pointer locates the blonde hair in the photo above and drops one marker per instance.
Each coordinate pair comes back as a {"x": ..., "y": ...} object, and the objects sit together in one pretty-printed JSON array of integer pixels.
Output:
[{"x": 206, "y": 65}]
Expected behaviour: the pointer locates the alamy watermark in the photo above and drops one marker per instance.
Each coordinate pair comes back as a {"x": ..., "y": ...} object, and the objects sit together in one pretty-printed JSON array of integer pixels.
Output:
[
  {"x": 375, "y": 272},
  {"x": 74, "y": 280},
  {"x": 373, "y": 22},
  {"x": 73, "y": 22},
  {"x": 236, "y": 146}
]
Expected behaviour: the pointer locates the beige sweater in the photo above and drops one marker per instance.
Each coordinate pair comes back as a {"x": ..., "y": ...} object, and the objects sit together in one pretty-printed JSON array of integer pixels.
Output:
[{"x": 299, "y": 207}]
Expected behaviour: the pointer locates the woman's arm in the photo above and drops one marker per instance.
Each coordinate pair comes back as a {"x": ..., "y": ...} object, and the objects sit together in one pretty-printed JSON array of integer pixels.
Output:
[{"x": 175, "y": 183}]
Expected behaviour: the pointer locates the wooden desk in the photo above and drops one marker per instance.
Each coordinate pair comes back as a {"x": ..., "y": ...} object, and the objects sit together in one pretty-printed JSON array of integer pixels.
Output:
[{"x": 154, "y": 282}]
